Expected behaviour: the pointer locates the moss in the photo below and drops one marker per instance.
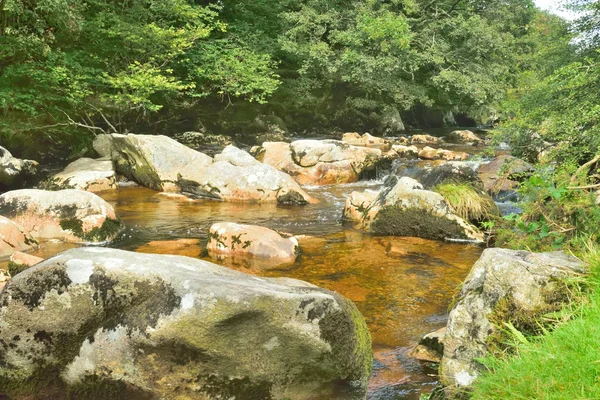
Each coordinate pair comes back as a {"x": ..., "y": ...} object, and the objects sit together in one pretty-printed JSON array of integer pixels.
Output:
[
  {"x": 14, "y": 268},
  {"x": 109, "y": 229},
  {"x": 468, "y": 202},
  {"x": 415, "y": 222}
]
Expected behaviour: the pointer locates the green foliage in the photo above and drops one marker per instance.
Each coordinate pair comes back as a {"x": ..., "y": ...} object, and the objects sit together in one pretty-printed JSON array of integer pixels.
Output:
[
  {"x": 468, "y": 202},
  {"x": 554, "y": 216}
]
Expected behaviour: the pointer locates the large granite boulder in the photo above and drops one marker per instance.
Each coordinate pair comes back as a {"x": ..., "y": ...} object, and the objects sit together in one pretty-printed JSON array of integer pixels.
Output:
[
  {"x": 503, "y": 286},
  {"x": 69, "y": 215},
  {"x": 14, "y": 172},
  {"x": 98, "y": 323},
  {"x": 404, "y": 208},
  {"x": 227, "y": 239},
  {"x": 13, "y": 237},
  {"x": 319, "y": 162},
  {"x": 154, "y": 161},
  {"x": 86, "y": 174}
]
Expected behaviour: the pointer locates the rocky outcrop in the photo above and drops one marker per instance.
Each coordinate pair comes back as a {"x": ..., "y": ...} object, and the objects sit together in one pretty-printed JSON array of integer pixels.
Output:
[
  {"x": 14, "y": 172},
  {"x": 429, "y": 153},
  {"x": 503, "y": 174},
  {"x": 454, "y": 172},
  {"x": 21, "y": 261},
  {"x": 68, "y": 215},
  {"x": 367, "y": 140},
  {"x": 503, "y": 286},
  {"x": 161, "y": 163},
  {"x": 86, "y": 174},
  {"x": 463, "y": 137},
  {"x": 13, "y": 237},
  {"x": 237, "y": 240},
  {"x": 319, "y": 162},
  {"x": 96, "y": 321},
  {"x": 404, "y": 208}
]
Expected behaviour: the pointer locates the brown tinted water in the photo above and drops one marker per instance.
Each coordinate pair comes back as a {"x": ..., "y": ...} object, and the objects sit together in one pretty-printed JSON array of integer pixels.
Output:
[{"x": 402, "y": 286}]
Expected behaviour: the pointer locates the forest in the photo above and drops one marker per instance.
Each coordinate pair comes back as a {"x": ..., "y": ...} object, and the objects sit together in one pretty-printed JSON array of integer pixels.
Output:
[{"x": 299, "y": 199}]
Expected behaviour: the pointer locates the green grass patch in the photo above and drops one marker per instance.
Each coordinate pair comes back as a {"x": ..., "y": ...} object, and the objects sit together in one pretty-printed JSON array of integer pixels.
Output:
[
  {"x": 562, "y": 364},
  {"x": 468, "y": 202}
]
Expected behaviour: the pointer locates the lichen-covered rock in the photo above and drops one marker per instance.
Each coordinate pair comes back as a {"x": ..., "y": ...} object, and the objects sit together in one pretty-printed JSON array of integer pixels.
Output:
[
  {"x": 319, "y": 162},
  {"x": 69, "y": 215},
  {"x": 463, "y": 137},
  {"x": 424, "y": 139},
  {"x": 21, "y": 261},
  {"x": 94, "y": 322},
  {"x": 14, "y": 172},
  {"x": 367, "y": 140},
  {"x": 203, "y": 141},
  {"x": 357, "y": 204},
  {"x": 520, "y": 284},
  {"x": 86, "y": 174},
  {"x": 154, "y": 161},
  {"x": 230, "y": 239},
  {"x": 449, "y": 172},
  {"x": 404, "y": 208},
  {"x": 503, "y": 173},
  {"x": 13, "y": 237}
]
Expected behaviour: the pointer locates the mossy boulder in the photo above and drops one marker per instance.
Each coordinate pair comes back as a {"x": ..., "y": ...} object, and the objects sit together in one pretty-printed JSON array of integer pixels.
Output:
[
  {"x": 68, "y": 215},
  {"x": 99, "y": 323},
  {"x": 449, "y": 172},
  {"x": 404, "y": 208},
  {"x": 86, "y": 174},
  {"x": 504, "y": 286}
]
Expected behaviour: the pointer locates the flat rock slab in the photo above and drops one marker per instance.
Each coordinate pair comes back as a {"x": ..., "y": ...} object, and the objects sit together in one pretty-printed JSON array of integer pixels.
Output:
[
  {"x": 92, "y": 320},
  {"x": 87, "y": 174}
]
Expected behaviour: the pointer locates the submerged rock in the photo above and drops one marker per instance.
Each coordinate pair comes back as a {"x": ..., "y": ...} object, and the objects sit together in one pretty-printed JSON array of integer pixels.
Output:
[
  {"x": 404, "y": 208},
  {"x": 178, "y": 247},
  {"x": 94, "y": 321},
  {"x": 14, "y": 172},
  {"x": 505, "y": 286},
  {"x": 86, "y": 174},
  {"x": 230, "y": 239},
  {"x": 319, "y": 162},
  {"x": 69, "y": 215},
  {"x": 13, "y": 237}
]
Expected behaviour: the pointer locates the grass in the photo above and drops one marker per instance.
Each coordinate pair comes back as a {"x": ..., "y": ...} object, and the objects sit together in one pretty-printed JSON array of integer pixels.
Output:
[
  {"x": 562, "y": 364},
  {"x": 467, "y": 202}
]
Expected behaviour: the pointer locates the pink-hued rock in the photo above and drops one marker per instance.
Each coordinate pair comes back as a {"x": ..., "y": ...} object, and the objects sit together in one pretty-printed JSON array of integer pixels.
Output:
[
  {"x": 13, "y": 237},
  {"x": 21, "y": 259},
  {"x": 319, "y": 162},
  {"x": 429, "y": 153},
  {"x": 68, "y": 215},
  {"x": 367, "y": 140},
  {"x": 87, "y": 174},
  {"x": 463, "y": 137},
  {"x": 231, "y": 239},
  {"x": 424, "y": 139}
]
